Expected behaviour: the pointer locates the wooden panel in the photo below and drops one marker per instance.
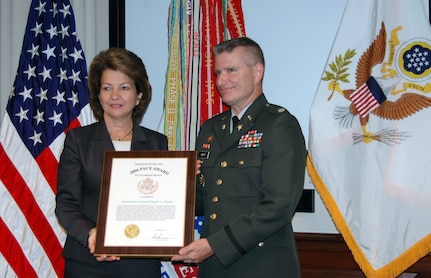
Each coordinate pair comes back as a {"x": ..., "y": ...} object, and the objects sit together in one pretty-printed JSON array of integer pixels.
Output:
[{"x": 327, "y": 255}]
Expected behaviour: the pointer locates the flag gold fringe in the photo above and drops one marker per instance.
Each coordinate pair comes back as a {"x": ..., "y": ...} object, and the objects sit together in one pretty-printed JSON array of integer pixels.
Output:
[{"x": 392, "y": 269}]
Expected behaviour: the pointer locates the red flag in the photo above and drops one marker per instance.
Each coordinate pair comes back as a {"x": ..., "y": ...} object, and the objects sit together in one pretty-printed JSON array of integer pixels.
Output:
[
  {"x": 49, "y": 96},
  {"x": 221, "y": 20},
  {"x": 194, "y": 28}
]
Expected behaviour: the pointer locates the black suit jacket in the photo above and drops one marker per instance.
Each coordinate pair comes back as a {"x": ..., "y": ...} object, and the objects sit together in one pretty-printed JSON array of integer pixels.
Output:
[
  {"x": 249, "y": 188},
  {"x": 79, "y": 177}
]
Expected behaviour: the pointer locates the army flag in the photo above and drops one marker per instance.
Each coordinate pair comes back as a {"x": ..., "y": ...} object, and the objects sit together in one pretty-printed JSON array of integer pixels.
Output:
[
  {"x": 194, "y": 28},
  {"x": 49, "y": 97},
  {"x": 368, "y": 158}
]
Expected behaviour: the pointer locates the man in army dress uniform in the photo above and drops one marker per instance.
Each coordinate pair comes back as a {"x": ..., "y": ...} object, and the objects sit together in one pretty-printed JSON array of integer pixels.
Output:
[{"x": 251, "y": 176}]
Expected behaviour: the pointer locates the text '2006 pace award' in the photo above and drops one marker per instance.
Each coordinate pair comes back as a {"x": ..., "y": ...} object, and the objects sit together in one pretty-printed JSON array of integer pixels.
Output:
[{"x": 146, "y": 206}]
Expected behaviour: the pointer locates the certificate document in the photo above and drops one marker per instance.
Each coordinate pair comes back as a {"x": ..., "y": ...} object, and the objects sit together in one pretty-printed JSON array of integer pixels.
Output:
[{"x": 147, "y": 203}]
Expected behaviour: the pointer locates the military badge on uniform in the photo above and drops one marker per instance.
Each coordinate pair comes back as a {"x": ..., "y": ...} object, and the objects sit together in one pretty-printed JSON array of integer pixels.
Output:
[
  {"x": 203, "y": 155},
  {"x": 251, "y": 139},
  {"x": 202, "y": 179}
]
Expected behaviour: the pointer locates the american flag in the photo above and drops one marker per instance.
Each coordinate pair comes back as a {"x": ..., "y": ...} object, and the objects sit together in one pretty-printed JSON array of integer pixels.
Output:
[{"x": 49, "y": 97}]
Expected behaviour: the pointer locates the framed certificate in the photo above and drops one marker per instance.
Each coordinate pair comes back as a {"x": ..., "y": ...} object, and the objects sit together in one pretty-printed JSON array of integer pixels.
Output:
[{"x": 147, "y": 202}]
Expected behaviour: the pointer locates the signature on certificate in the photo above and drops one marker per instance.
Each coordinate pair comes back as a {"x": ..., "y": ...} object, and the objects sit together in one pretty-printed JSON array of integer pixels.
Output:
[{"x": 159, "y": 235}]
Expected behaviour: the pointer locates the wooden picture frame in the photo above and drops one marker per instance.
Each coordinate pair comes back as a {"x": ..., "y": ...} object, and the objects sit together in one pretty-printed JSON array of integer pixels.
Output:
[{"x": 147, "y": 203}]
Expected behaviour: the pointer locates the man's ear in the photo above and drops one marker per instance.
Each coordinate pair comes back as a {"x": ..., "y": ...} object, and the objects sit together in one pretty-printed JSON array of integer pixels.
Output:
[{"x": 258, "y": 72}]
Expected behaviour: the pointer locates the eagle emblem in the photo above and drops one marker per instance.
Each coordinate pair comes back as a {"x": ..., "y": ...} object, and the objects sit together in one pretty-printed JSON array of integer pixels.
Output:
[
  {"x": 398, "y": 83},
  {"x": 147, "y": 186}
]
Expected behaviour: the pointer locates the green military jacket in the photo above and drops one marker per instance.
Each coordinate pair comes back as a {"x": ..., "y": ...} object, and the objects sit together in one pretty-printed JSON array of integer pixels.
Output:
[{"x": 248, "y": 190}]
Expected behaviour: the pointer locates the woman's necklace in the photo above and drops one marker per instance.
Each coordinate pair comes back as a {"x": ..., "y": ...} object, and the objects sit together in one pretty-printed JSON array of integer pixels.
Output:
[{"x": 122, "y": 138}]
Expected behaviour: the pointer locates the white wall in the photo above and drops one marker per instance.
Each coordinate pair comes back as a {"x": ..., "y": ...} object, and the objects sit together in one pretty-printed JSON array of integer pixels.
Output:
[{"x": 296, "y": 37}]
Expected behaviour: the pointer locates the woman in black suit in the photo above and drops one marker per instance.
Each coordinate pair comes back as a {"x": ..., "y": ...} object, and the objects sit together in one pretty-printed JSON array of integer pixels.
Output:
[{"x": 119, "y": 96}]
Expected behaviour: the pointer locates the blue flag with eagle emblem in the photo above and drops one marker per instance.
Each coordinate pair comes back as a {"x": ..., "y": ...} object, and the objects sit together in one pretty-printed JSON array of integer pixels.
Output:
[{"x": 369, "y": 161}]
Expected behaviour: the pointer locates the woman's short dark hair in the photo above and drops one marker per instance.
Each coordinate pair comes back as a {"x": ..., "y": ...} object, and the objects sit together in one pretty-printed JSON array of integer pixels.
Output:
[{"x": 128, "y": 63}]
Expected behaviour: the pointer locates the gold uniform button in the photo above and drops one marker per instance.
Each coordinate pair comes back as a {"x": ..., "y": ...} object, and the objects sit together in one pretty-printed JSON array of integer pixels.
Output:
[
  {"x": 215, "y": 199},
  {"x": 219, "y": 182},
  {"x": 241, "y": 162},
  {"x": 260, "y": 244},
  {"x": 213, "y": 216},
  {"x": 223, "y": 164}
]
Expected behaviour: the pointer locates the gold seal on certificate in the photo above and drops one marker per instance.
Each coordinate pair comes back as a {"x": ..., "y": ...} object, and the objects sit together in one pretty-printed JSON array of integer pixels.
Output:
[{"x": 131, "y": 231}]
